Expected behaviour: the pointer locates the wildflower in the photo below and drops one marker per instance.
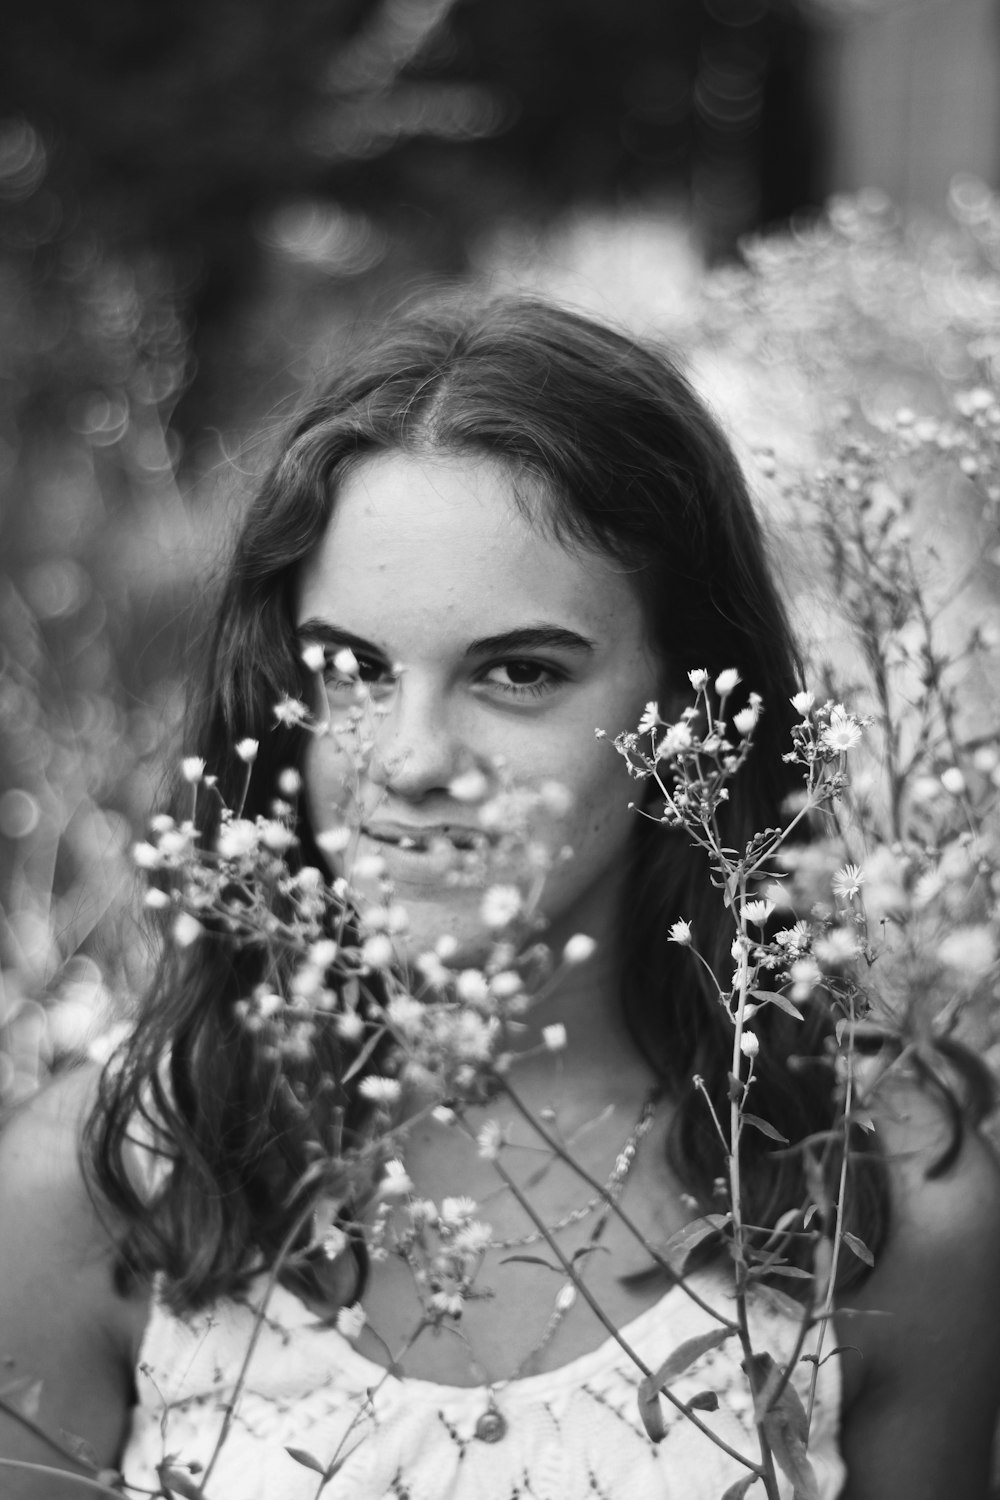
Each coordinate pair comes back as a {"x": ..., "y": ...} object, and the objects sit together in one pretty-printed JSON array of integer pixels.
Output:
[
  {"x": 803, "y": 702},
  {"x": 161, "y": 823},
  {"x": 848, "y": 881},
  {"x": 395, "y": 1181},
  {"x": 350, "y": 1026},
  {"x": 370, "y": 867},
  {"x": 379, "y": 1090},
  {"x": 290, "y": 712},
  {"x": 192, "y": 768},
  {"x": 237, "y": 838},
  {"x": 187, "y": 929},
  {"x": 448, "y": 1303},
  {"x": 346, "y": 662},
  {"x": 333, "y": 1242},
  {"x": 433, "y": 970},
  {"x": 443, "y": 1115},
  {"x": 471, "y": 986},
  {"x": 842, "y": 733},
  {"x": 473, "y": 1238},
  {"x": 155, "y": 899},
  {"x": 289, "y": 782},
  {"x": 322, "y": 953},
  {"x": 446, "y": 947},
  {"x": 313, "y": 656},
  {"x": 680, "y": 932},
  {"x": 350, "y": 1321},
  {"x": 970, "y": 951},
  {"x": 554, "y": 1037},
  {"x": 580, "y": 947},
  {"x": 506, "y": 984},
  {"x": 758, "y": 912},
  {"x": 147, "y": 856},
  {"x": 500, "y": 905},
  {"x": 749, "y": 1044},
  {"x": 677, "y": 738},
  {"x": 247, "y": 751},
  {"x": 556, "y": 798},
  {"x": 838, "y": 946},
  {"x": 745, "y": 720},
  {"x": 726, "y": 681},
  {"x": 469, "y": 786},
  {"x": 377, "y": 951},
  {"x": 405, "y": 1013},
  {"x": 697, "y": 678},
  {"x": 489, "y": 1141},
  {"x": 805, "y": 974},
  {"x": 277, "y": 836},
  {"x": 953, "y": 781},
  {"x": 650, "y": 718},
  {"x": 174, "y": 842},
  {"x": 333, "y": 841},
  {"x": 456, "y": 1211}
]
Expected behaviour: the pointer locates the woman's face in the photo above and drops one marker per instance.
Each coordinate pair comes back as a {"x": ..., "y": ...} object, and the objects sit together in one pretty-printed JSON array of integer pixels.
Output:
[{"x": 486, "y": 647}]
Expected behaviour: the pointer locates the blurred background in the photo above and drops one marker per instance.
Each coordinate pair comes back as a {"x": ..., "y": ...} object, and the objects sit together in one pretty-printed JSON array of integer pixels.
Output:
[{"x": 197, "y": 198}]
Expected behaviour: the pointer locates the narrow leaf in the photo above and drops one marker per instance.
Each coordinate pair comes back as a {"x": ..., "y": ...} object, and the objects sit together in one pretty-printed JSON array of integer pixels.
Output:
[
  {"x": 530, "y": 1260},
  {"x": 679, "y": 1248},
  {"x": 306, "y": 1460},
  {"x": 704, "y": 1401},
  {"x": 685, "y": 1355},
  {"x": 764, "y": 1127},
  {"x": 739, "y": 1489},
  {"x": 774, "y": 997},
  {"x": 651, "y": 1413},
  {"x": 364, "y": 1054},
  {"x": 784, "y": 1423},
  {"x": 23, "y": 1394},
  {"x": 176, "y": 1482},
  {"x": 859, "y": 1247}
]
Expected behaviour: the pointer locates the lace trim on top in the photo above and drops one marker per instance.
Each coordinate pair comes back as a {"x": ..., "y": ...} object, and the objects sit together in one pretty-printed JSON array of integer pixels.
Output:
[{"x": 572, "y": 1433}]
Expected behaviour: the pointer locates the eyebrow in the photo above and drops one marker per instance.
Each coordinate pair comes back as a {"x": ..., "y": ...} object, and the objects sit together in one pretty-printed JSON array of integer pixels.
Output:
[{"x": 541, "y": 637}]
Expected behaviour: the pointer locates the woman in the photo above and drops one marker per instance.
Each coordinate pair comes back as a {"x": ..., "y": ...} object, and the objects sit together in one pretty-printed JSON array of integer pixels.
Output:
[{"x": 513, "y": 526}]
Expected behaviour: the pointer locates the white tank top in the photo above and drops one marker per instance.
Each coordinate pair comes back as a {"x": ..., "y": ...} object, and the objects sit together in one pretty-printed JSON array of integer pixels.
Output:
[{"x": 573, "y": 1433}]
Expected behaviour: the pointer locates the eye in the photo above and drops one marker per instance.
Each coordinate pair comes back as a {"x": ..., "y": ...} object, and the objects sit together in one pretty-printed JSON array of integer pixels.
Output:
[
  {"x": 373, "y": 673},
  {"x": 523, "y": 677}
]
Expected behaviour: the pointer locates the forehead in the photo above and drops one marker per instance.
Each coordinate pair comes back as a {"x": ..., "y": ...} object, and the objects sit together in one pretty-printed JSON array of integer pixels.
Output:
[{"x": 441, "y": 541}]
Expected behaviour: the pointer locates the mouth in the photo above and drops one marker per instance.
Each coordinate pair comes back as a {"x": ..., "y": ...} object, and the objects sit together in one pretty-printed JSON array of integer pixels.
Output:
[{"x": 421, "y": 840}]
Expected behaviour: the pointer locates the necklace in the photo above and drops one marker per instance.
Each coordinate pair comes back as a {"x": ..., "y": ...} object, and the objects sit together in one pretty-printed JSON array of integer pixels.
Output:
[
  {"x": 492, "y": 1424},
  {"x": 613, "y": 1185}
]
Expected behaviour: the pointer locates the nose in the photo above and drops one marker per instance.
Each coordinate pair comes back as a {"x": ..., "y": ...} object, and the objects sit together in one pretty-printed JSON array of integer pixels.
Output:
[{"x": 415, "y": 751}]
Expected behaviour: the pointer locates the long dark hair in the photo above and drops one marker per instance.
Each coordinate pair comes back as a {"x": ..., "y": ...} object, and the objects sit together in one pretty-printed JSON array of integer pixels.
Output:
[{"x": 634, "y": 465}]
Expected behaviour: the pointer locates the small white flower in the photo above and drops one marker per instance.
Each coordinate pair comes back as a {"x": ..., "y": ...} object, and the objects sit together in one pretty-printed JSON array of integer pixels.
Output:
[
  {"x": 322, "y": 953},
  {"x": 377, "y": 951},
  {"x": 842, "y": 733},
  {"x": 346, "y": 662},
  {"x": 405, "y": 1013},
  {"x": 289, "y": 782},
  {"x": 579, "y": 948},
  {"x": 838, "y": 946},
  {"x": 174, "y": 842},
  {"x": 500, "y": 905},
  {"x": 155, "y": 899},
  {"x": 506, "y": 984},
  {"x": 848, "y": 881},
  {"x": 313, "y": 656},
  {"x": 350, "y": 1321},
  {"x": 749, "y": 1044},
  {"x": 490, "y": 1140},
  {"x": 277, "y": 836},
  {"x": 473, "y": 1238},
  {"x": 247, "y": 751},
  {"x": 471, "y": 986},
  {"x": 650, "y": 718},
  {"x": 698, "y": 678},
  {"x": 446, "y": 947},
  {"x": 187, "y": 929},
  {"x": 758, "y": 912},
  {"x": 680, "y": 932},
  {"x": 745, "y": 720},
  {"x": 146, "y": 856},
  {"x": 469, "y": 786},
  {"x": 395, "y": 1182},
  {"x": 726, "y": 681},
  {"x": 566, "y": 1298},
  {"x": 456, "y": 1211},
  {"x": 970, "y": 951},
  {"x": 161, "y": 823},
  {"x": 290, "y": 712},
  {"x": 192, "y": 768},
  {"x": 554, "y": 1037},
  {"x": 350, "y": 1026},
  {"x": 379, "y": 1090},
  {"x": 443, "y": 1115},
  {"x": 953, "y": 781},
  {"x": 678, "y": 737},
  {"x": 805, "y": 974},
  {"x": 237, "y": 838},
  {"x": 333, "y": 841},
  {"x": 803, "y": 702}
]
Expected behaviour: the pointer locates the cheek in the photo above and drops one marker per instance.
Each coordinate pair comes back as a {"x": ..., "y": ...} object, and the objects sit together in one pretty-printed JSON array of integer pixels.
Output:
[{"x": 328, "y": 779}]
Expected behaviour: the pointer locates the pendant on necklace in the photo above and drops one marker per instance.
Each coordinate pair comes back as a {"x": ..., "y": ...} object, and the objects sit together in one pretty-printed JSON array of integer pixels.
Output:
[{"x": 492, "y": 1426}]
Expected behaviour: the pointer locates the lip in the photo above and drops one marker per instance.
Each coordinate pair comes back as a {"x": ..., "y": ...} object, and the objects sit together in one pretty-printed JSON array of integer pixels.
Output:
[{"x": 419, "y": 838}]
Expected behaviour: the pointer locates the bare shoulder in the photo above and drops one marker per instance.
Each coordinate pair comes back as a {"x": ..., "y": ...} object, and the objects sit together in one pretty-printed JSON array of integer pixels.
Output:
[
  {"x": 67, "y": 1338},
  {"x": 922, "y": 1371}
]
